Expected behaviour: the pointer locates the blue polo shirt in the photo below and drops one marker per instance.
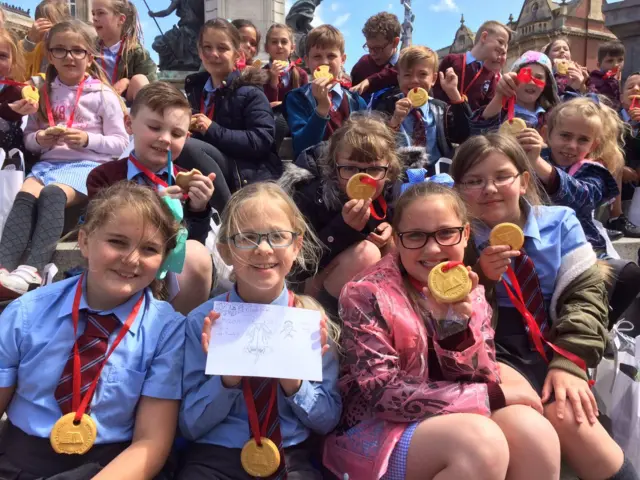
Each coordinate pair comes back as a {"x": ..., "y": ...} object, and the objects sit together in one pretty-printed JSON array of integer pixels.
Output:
[
  {"x": 109, "y": 54},
  {"x": 214, "y": 414},
  {"x": 36, "y": 339}
]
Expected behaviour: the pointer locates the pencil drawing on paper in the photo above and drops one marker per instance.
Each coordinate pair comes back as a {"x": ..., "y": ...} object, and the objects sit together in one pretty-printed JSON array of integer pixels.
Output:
[
  {"x": 288, "y": 331},
  {"x": 258, "y": 340}
]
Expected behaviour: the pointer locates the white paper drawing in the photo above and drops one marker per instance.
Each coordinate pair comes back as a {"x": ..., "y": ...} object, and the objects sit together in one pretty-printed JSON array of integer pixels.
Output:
[{"x": 253, "y": 340}]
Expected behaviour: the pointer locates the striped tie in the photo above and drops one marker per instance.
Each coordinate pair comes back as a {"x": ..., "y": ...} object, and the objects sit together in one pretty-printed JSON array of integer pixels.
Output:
[
  {"x": 261, "y": 388},
  {"x": 419, "y": 134},
  {"x": 92, "y": 345},
  {"x": 530, "y": 285}
]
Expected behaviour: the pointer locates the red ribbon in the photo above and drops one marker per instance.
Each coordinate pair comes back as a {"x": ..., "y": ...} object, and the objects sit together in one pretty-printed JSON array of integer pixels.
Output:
[
  {"x": 509, "y": 104},
  {"x": 612, "y": 73},
  {"x": 526, "y": 76},
  {"x": 71, "y": 118},
  {"x": 381, "y": 201},
  {"x": 114, "y": 74},
  {"x": 211, "y": 108},
  {"x": 464, "y": 90},
  {"x": 17, "y": 84},
  {"x": 149, "y": 174},
  {"x": 535, "y": 334},
  {"x": 451, "y": 265},
  {"x": 241, "y": 63},
  {"x": 80, "y": 406},
  {"x": 634, "y": 102}
]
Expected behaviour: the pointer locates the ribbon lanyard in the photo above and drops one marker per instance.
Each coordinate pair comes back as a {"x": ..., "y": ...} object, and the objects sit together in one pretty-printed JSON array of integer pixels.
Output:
[
  {"x": 381, "y": 201},
  {"x": 612, "y": 73},
  {"x": 79, "y": 406},
  {"x": 211, "y": 108},
  {"x": 524, "y": 76},
  {"x": 152, "y": 176},
  {"x": 535, "y": 334},
  {"x": 634, "y": 102},
  {"x": 47, "y": 104},
  {"x": 16, "y": 84},
  {"x": 464, "y": 71},
  {"x": 114, "y": 74}
]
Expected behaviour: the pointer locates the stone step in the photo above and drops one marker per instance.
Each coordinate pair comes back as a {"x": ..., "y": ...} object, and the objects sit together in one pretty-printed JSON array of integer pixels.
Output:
[{"x": 628, "y": 248}]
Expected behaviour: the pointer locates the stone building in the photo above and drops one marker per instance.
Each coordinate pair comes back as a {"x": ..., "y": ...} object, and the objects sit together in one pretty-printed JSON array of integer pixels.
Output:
[
  {"x": 540, "y": 21},
  {"x": 81, "y": 9},
  {"x": 18, "y": 19}
]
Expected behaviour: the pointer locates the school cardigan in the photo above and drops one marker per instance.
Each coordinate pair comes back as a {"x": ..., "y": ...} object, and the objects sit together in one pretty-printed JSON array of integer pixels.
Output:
[
  {"x": 379, "y": 76},
  {"x": 482, "y": 90},
  {"x": 278, "y": 94},
  {"x": 609, "y": 87},
  {"x": 110, "y": 173}
]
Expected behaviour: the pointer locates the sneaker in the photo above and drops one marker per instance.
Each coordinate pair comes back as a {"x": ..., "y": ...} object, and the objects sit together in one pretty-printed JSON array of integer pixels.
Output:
[
  {"x": 20, "y": 281},
  {"x": 622, "y": 224},
  {"x": 614, "y": 235}
]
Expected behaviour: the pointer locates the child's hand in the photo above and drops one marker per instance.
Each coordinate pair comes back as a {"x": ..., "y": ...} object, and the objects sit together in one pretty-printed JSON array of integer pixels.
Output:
[
  {"x": 403, "y": 107},
  {"x": 24, "y": 107},
  {"x": 495, "y": 259},
  {"x": 629, "y": 175},
  {"x": 174, "y": 191},
  {"x": 449, "y": 84},
  {"x": 75, "y": 138},
  {"x": 201, "y": 123},
  {"x": 200, "y": 192},
  {"x": 275, "y": 104},
  {"x": 321, "y": 89},
  {"x": 532, "y": 143},
  {"x": 381, "y": 235},
  {"x": 634, "y": 113},
  {"x": 517, "y": 390},
  {"x": 566, "y": 385},
  {"x": 507, "y": 85},
  {"x": 38, "y": 30},
  {"x": 462, "y": 309},
  {"x": 576, "y": 76},
  {"x": 274, "y": 73},
  {"x": 356, "y": 213},
  {"x": 362, "y": 87},
  {"x": 209, "y": 320},
  {"x": 121, "y": 85},
  {"x": 47, "y": 141}
]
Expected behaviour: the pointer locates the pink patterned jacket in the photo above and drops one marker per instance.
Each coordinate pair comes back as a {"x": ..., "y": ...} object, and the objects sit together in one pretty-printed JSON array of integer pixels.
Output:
[{"x": 396, "y": 371}]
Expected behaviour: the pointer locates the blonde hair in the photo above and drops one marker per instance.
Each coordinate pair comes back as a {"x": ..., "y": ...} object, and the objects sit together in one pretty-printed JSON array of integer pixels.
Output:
[
  {"x": 17, "y": 54},
  {"x": 607, "y": 127},
  {"x": 56, "y": 11},
  {"x": 325, "y": 36},
  {"x": 295, "y": 75},
  {"x": 89, "y": 37},
  {"x": 412, "y": 55},
  {"x": 268, "y": 193},
  {"x": 476, "y": 149},
  {"x": 492, "y": 27},
  {"x": 131, "y": 29},
  {"x": 144, "y": 202}
]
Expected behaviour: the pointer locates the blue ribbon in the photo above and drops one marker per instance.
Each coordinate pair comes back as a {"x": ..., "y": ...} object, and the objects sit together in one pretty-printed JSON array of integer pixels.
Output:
[{"x": 419, "y": 175}]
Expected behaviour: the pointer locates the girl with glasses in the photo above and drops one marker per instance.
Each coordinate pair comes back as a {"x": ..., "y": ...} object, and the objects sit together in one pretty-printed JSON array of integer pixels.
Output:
[
  {"x": 79, "y": 125},
  {"x": 419, "y": 380},
  {"x": 356, "y": 232}
]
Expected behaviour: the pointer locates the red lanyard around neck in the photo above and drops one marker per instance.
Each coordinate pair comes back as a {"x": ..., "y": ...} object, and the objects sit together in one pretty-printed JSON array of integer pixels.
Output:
[
  {"x": 464, "y": 90},
  {"x": 79, "y": 405},
  {"x": 212, "y": 107},
  {"x": 149, "y": 174},
  {"x": 114, "y": 74},
  {"x": 380, "y": 200},
  {"x": 72, "y": 116}
]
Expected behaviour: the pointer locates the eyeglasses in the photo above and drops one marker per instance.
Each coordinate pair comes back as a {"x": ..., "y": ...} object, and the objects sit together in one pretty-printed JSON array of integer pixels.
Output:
[
  {"x": 478, "y": 184},
  {"x": 374, "y": 50},
  {"x": 252, "y": 240},
  {"x": 60, "y": 53},
  {"x": 446, "y": 237},
  {"x": 348, "y": 171}
]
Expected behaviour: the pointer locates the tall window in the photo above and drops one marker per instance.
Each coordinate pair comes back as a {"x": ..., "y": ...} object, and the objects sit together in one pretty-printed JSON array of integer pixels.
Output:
[{"x": 72, "y": 7}]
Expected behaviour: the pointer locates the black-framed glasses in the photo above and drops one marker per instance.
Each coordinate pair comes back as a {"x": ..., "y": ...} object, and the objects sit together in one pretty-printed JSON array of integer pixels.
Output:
[
  {"x": 251, "y": 240},
  {"x": 500, "y": 181},
  {"x": 375, "y": 50},
  {"x": 60, "y": 53},
  {"x": 348, "y": 171},
  {"x": 446, "y": 237}
]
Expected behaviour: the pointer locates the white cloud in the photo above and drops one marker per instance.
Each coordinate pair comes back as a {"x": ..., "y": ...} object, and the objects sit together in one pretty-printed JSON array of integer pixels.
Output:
[
  {"x": 390, "y": 7},
  {"x": 444, "y": 6},
  {"x": 341, "y": 20},
  {"x": 334, "y": 7},
  {"x": 317, "y": 17}
]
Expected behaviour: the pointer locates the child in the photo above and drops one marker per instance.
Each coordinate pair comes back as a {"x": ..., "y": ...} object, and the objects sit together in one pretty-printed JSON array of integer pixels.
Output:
[
  {"x": 250, "y": 38},
  {"x": 606, "y": 80},
  {"x": 478, "y": 69},
  {"x": 434, "y": 126},
  {"x": 263, "y": 235},
  {"x": 11, "y": 101},
  {"x": 231, "y": 112},
  {"x": 356, "y": 232},
  {"x": 128, "y": 65},
  {"x": 567, "y": 300},
  {"x": 376, "y": 70},
  {"x": 89, "y": 130},
  {"x": 159, "y": 123},
  {"x": 127, "y": 234},
  {"x": 316, "y": 110},
  {"x": 531, "y": 85},
  {"x": 48, "y": 13},
  {"x": 419, "y": 376},
  {"x": 573, "y": 82}
]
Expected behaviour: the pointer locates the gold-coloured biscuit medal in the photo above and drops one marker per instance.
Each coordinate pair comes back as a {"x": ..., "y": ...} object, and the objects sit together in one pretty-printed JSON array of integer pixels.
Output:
[
  {"x": 562, "y": 66},
  {"x": 260, "y": 460},
  {"x": 183, "y": 179},
  {"x": 322, "y": 72},
  {"x": 507, "y": 234},
  {"x": 31, "y": 94},
  {"x": 418, "y": 96},
  {"x": 282, "y": 63},
  {"x": 513, "y": 126},
  {"x": 71, "y": 439},
  {"x": 449, "y": 284},
  {"x": 359, "y": 189}
]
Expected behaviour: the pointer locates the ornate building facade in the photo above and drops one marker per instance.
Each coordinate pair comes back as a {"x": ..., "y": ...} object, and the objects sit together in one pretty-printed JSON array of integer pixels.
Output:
[{"x": 18, "y": 19}]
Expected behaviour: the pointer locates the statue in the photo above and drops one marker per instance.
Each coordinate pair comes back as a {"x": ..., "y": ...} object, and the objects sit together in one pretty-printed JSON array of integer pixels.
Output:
[
  {"x": 299, "y": 20},
  {"x": 178, "y": 48}
]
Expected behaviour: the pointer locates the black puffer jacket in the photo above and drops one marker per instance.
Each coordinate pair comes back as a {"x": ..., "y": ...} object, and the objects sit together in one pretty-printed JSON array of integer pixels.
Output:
[{"x": 243, "y": 127}]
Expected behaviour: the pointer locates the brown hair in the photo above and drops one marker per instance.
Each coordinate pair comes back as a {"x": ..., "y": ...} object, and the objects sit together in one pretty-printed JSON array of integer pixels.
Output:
[
  {"x": 325, "y": 36},
  {"x": 17, "y": 54},
  {"x": 221, "y": 25},
  {"x": 476, "y": 149},
  {"x": 370, "y": 140},
  {"x": 131, "y": 29},
  {"x": 243, "y": 22},
  {"x": 385, "y": 24},
  {"x": 610, "y": 49},
  {"x": 295, "y": 75},
  {"x": 608, "y": 128},
  {"x": 90, "y": 37},
  {"x": 56, "y": 11},
  {"x": 412, "y": 55},
  {"x": 159, "y": 96},
  {"x": 549, "y": 47},
  {"x": 141, "y": 200},
  {"x": 492, "y": 27}
]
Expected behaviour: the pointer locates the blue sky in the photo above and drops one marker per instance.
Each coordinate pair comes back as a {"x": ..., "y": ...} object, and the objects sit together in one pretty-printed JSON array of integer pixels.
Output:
[{"x": 435, "y": 25}]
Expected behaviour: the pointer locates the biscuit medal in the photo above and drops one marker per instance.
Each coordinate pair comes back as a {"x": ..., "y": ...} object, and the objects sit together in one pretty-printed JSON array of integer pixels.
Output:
[
  {"x": 507, "y": 234},
  {"x": 418, "y": 97},
  {"x": 322, "y": 72},
  {"x": 183, "y": 179},
  {"x": 361, "y": 186},
  {"x": 449, "y": 282}
]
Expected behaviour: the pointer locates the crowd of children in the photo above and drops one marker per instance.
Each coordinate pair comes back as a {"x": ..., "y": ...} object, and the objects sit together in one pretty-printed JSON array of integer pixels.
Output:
[{"x": 494, "y": 385}]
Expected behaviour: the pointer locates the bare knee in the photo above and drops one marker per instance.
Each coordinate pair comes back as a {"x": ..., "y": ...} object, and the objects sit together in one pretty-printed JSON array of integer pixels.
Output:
[
  {"x": 349, "y": 263},
  {"x": 488, "y": 449},
  {"x": 198, "y": 264},
  {"x": 135, "y": 84}
]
